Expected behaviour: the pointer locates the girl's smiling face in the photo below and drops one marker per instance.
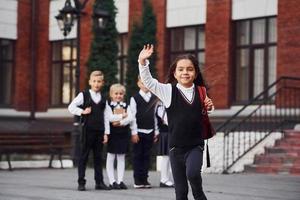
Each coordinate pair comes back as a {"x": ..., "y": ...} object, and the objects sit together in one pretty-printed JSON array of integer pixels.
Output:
[
  {"x": 117, "y": 95},
  {"x": 185, "y": 73}
]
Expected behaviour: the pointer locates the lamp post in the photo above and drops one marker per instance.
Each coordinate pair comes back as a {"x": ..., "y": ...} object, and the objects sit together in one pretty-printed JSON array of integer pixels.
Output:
[{"x": 66, "y": 19}]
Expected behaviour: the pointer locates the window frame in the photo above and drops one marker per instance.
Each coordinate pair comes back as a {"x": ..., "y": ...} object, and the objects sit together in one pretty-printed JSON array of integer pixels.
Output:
[
  {"x": 122, "y": 57},
  {"x": 61, "y": 62},
  {"x": 12, "y": 78},
  {"x": 251, "y": 48},
  {"x": 196, "y": 51}
]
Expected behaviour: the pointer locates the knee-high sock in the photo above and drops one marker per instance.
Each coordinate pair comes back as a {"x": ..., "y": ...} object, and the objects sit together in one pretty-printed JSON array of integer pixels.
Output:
[
  {"x": 120, "y": 167},
  {"x": 165, "y": 169},
  {"x": 110, "y": 167}
]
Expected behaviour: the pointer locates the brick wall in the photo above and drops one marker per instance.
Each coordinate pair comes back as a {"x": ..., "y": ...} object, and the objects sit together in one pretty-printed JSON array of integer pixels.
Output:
[
  {"x": 23, "y": 68},
  {"x": 288, "y": 45},
  {"x": 218, "y": 33},
  {"x": 135, "y": 12},
  {"x": 86, "y": 37},
  {"x": 288, "y": 49},
  {"x": 21, "y": 98},
  {"x": 43, "y": 71},
  {"x": 159, "y": 7}
]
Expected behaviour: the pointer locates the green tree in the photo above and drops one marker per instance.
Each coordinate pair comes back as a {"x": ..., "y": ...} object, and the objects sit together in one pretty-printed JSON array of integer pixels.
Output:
[
  {"x": 135, "y": 45},
  {"x": 104, "y": 47},
  {"x": 149, "y": 31},
  {"x": 140, "y": 35}
]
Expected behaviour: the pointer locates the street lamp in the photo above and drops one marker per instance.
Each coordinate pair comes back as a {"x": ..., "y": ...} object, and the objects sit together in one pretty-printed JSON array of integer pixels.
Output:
[
  {"x": 100, "y": 17},
  {"x": 66, "y": 19}
]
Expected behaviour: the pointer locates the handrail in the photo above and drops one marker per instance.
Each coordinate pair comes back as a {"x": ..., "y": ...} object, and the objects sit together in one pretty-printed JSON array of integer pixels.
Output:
[
  {"x": 255, "y": 99},
  {"x": 261, "y": 121}
]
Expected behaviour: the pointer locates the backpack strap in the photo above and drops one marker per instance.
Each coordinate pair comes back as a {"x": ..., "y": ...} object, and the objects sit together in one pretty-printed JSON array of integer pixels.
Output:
[
  {"x": 86, "y": 98},
  {"x": 202, "y": 94},
  {"x": 86, "y": 103}
]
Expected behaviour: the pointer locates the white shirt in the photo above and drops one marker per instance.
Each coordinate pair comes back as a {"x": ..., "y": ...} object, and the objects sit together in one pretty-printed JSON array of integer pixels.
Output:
[
  {"x": 162, "y": 113},
  {"x": 78, "y": 101},
  {"x": 117, "y": 117},
  {"x": 161, "y": 90},
  {"x": 135, "y": 130}
]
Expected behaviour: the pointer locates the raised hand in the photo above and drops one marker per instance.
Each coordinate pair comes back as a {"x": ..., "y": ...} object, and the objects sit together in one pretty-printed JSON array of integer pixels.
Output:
[{"x": 145, "y": 53}]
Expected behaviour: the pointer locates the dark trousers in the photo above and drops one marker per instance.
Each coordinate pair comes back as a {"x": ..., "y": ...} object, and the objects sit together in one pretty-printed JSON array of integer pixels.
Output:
[
  {"x": 142, "y": 156},
  {"x": 93, "y": 141},
  {"x": 186, "y": 166}
]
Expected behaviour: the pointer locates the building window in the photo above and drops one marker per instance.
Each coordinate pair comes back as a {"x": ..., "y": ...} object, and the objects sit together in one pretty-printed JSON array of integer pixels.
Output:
[
  {"x": 186, "y": 40},
  {"x": 255, "y": 57},
  {"x": 6, "y": 71},
  {"x": 122, "y": 57},
  {"x": 63, "y": 79}
]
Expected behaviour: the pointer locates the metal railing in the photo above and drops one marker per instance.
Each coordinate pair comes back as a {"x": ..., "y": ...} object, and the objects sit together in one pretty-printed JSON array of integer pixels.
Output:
[{"x": 274, "y": 109}]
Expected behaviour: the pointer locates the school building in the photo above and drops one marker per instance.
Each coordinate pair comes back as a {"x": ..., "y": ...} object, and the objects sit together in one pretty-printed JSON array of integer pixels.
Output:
[{"x": 242, "y": 45}]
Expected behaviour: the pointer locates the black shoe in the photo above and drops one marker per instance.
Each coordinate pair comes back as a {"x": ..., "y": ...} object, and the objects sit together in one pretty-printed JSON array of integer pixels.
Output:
[
  {"x": 114, "y": 186},
  {"x": 147, "y": 184},
  {"x": 123, "y": 186},
  {"x": 81, "y": 188},
  {"x": 101, "y": 186},
  {"x": 138, "y": 183},
  {"x": 164, "y": 185}
]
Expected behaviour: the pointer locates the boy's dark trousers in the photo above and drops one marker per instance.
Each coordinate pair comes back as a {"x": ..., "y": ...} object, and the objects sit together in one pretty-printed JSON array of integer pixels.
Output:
[
  {"x": 92, "y": 141},
  {"x": 142, "y": 156},
  {"x": 186, "y": 165}
]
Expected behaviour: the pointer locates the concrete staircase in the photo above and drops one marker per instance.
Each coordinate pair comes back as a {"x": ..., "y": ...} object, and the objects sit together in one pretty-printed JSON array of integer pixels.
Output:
[{"x": 283, "y": 158}]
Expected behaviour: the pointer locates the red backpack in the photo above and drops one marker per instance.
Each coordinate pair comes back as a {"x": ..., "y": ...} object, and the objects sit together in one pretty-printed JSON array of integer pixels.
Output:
[{"x": 208, "y": 129}]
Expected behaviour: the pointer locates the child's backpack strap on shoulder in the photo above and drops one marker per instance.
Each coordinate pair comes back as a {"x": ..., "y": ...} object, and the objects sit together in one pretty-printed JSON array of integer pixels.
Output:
[
  {"x": 86, "y": 103},
  {"x": 202, "y": 93},
  {"x": 86, "y": 99},
  {"x": 208, "y": 131}
]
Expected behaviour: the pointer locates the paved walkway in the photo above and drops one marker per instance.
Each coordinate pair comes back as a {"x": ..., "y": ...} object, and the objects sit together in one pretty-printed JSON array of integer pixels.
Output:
[{"x": 58, "y": 184}]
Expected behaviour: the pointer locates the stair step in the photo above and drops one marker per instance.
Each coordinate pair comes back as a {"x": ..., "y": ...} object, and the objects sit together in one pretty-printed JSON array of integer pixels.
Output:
[
  {"x": 294, "y": 135},
  {"x": 283, "y": 149},
  {"x": 289, "y": 146},
  {"x": 273, "y": 168},
  {"x": 278, "y": 158},
  {"x": 289, "y": 141},
  {"x": 291, "y": 131},
  {"x": 266, "y": 168},
  {"x": 295, "y": 170},
  {"x": 283, "y": 158}
]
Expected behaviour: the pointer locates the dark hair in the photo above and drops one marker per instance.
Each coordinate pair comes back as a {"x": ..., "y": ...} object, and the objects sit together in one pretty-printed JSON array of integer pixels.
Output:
[{"x": 199, "y": 78}]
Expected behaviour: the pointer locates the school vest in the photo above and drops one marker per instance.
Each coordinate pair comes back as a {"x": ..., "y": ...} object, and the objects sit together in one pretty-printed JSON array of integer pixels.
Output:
[
  {"x": 144, "y": 112},
  {"x": 94, "y": 120},
  {"x": 185, "y": 120}
]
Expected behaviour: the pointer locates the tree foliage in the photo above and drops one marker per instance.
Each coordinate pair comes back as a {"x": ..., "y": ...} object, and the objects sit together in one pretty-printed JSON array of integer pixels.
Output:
[{"x": 142, "y": 33}]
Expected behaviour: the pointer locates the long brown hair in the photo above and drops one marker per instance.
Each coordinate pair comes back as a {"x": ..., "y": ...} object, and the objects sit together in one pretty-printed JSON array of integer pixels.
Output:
[{"x": 199, "y": 80}]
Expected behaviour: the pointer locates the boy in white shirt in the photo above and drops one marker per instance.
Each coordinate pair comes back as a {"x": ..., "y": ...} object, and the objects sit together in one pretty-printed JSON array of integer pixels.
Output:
[{"x": 90, "y": 105}]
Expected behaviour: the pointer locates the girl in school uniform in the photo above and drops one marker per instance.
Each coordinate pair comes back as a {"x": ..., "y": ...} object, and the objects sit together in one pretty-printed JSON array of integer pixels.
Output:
[
  {"x": 181, "y": 98},
  {"x": 117, "y": 139}
]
